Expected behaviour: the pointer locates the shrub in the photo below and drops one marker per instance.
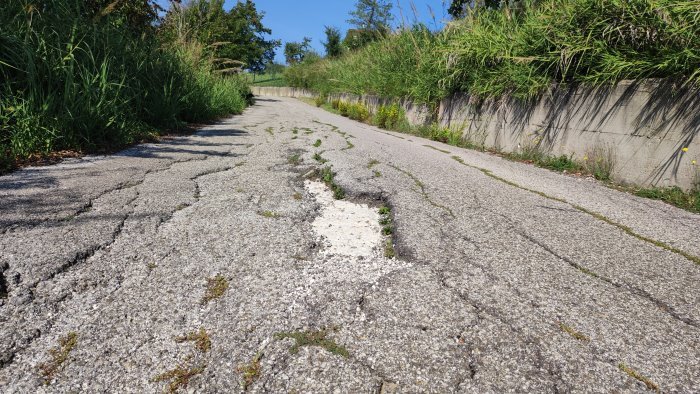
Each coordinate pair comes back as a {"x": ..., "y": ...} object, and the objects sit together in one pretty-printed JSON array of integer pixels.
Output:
[
  {"x": 358, "y": 111},
  {"x": 600, "y": 161},
  {"x": 72, "y": 82},
  {"x": 343, "y": 108},
  {"x": 390, "y": 117}
]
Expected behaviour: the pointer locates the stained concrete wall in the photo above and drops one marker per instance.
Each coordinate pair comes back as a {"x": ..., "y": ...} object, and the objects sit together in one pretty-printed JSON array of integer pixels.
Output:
[
  {"x": 647, "y": 126},
  {"x": 281, "y": 91}
]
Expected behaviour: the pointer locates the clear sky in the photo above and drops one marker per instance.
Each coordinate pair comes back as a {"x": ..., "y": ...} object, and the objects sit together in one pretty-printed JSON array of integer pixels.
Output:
[{"x": 292, "y": 20}]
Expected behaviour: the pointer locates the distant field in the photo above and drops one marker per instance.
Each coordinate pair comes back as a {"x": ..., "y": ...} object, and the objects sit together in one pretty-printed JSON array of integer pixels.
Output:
[{"x": 267, "y": 80}]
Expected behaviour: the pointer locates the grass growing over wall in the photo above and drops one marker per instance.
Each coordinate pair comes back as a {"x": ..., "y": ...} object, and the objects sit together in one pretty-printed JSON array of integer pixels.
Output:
[
  {"x": 71, "y": 81},
  {"x": 520, "y": 51}
]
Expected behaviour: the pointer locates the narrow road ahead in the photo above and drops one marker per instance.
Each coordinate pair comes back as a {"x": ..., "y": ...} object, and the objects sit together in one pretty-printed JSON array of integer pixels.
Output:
[{"x": 212, "y": 263}]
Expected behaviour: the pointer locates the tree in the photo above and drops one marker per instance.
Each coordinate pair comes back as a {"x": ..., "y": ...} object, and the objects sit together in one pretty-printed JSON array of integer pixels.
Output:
[
  {"x": 371, "y": 15},
  {"x": 333, "y": 42},
  {"x": 138, "y": 15},
  {"x": 372, "y": 20},
  {"x": 458, "y": 8},
  {"x": 294, "y": 52},
  {"x": 234, "y": 38}
]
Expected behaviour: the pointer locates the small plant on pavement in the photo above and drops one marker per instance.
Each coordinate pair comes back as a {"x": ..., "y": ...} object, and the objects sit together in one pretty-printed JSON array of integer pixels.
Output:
[
  {"x": 328, "y": 177},
  {"x": 250, "y": 371},
  {"x": 201, "y": 340},
  {"x": 313, "y": 338},
  {"x": 216, "y": 287},
  {"x": 59, "y": 356}
]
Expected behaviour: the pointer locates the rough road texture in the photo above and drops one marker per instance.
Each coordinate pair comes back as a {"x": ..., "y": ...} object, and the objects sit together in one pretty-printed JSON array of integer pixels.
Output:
[{"x": 508, "y": 277}]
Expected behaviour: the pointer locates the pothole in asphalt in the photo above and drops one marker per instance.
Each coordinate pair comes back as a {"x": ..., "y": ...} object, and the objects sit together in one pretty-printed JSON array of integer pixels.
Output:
[{"x": 346, "y": 228}]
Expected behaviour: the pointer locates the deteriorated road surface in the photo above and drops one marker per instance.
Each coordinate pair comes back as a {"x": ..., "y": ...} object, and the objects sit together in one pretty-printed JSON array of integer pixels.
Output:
[{"x": 200, "y": 264}]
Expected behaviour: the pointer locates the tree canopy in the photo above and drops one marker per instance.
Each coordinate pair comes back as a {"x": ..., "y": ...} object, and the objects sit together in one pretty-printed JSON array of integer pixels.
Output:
[
  {"x": 372, "y": 15},
  {"x": 234, "y": 36},
  {"x": 458, "y": 8},
  {"x": 295, "y": 52},
  {"x": 333, "y": 43}
]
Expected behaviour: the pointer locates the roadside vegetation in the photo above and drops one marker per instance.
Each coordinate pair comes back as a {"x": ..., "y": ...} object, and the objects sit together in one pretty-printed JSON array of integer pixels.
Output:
[
  {"x": 518, "y": 51},
  {"x": 97, "y": 75},
  {"x": 497, "y": 50}
]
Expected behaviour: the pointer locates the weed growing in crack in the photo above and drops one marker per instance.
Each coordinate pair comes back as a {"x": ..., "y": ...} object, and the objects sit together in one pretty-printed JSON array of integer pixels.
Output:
[
  {"x": 372, "y": 163},
  {"x": 673, "y": 195},
  {"x": 422, "y": 190},
  {"x": 294, "y": 159},
  {"x": 151, "y": 265},
  {"x": 313, "y": 338},
  {"x": 297, "y": 196},
  {"x": 328, "y": 177},
  {"x": 201, "y": 339},
  {"x": 437, "y": 149},
  {"x": 59, "y": 356},
  {"x": 376, "y": 174},
  {"x": 180, "y": 376},
  {"x": 269, "y": 214},
  {"x": 269, "y": 130},
  {"x": 239, "y": 164},
  {"x": 575, "y": 334},
  {"x": 180, "y": 207},
  {"x": 387, "y": 230},
  {"x": 389, "y": 251},
  {"x": 295, "y": 131},
  {"x": 636, "y": 375},
  {"x": 596, "y": 215},
  {"x": 250, "y": 371},
  {"x": 216, "y": 287},
  {"x": 317, "y": 143},
  {"x": 318, "y": 158}
]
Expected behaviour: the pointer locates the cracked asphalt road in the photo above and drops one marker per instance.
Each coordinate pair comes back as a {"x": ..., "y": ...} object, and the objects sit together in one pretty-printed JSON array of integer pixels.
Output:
[{"x": 508, "y": 277}]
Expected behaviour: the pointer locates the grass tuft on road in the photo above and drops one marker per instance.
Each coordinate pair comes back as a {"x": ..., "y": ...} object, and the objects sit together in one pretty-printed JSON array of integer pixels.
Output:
[
  {"x": 313, "y": 338},
  {"x": 216, "y": 287},
  {"x": 58, "y": 356}
]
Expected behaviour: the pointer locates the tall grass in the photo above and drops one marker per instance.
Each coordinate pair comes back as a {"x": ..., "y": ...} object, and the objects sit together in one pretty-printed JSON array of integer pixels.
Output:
[
  {"x": 522, "y": 51},
  {"x": 404, "y": 64},
  {"x": 69, "y": 81}
]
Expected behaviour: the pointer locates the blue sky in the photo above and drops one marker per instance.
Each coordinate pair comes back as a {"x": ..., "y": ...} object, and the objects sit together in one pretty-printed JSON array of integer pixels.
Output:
[{"x": 292, "y": 20}]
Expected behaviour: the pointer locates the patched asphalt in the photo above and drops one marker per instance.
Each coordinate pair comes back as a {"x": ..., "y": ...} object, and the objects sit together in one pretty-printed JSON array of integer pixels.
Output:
[{"x": 507, "y": 277}]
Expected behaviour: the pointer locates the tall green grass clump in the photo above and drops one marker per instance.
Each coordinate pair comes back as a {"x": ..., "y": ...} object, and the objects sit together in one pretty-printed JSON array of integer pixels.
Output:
[
  {"x": 403, "y": 64},
  {"x": 522, "y": 51},
  {"x": 76, "y": 77}
]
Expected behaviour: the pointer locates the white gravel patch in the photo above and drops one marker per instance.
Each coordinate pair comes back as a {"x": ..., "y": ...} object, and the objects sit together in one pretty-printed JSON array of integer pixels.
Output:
[{"x": 345, "y": 228}]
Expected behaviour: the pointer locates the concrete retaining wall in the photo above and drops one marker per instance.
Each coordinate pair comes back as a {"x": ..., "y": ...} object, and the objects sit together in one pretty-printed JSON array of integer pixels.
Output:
[
  {"x": 646, "y": 126},
  {"x": 650, "y": 129},
  {"x": 281, "y": 91}
]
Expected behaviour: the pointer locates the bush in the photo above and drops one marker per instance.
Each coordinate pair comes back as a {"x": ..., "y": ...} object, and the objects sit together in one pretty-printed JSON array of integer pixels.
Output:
[
  {"x": 358, "y": 111},
  {"x": 73, "y": 82},
  {"x": 343, "y": 108},
  {"x": 390, "y": 117},
  {"x": 600, "y": 161}
]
